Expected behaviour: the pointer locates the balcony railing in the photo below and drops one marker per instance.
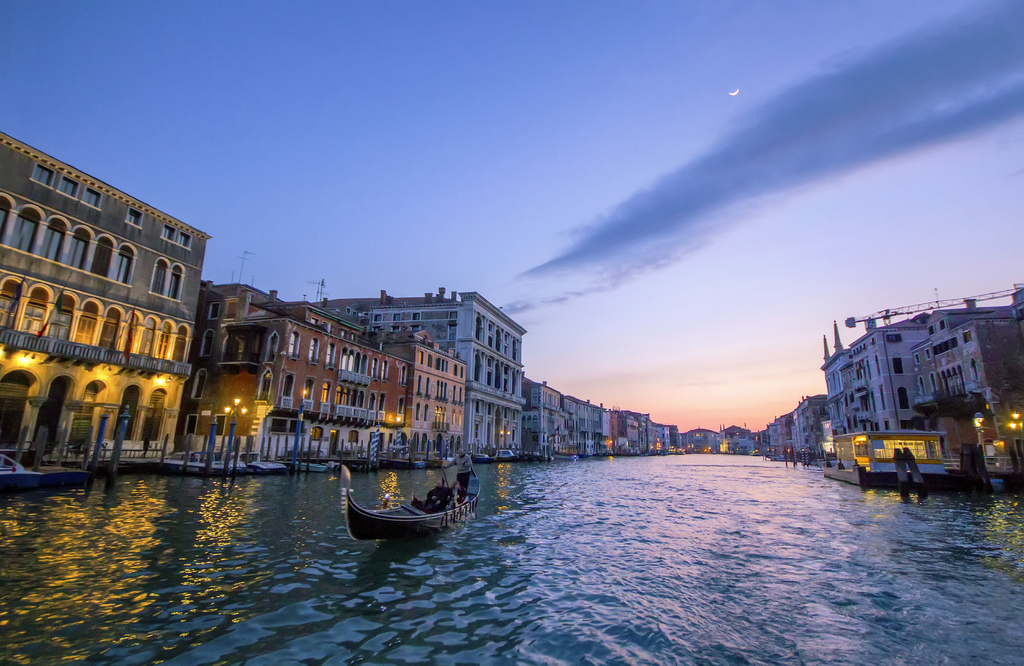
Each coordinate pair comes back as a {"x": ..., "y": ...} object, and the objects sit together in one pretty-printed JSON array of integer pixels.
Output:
[
  {"x": 353, "y": 377},
  {"x": 285, "y": 402},
  {"x": 90, "y": 353},
  {"x": 307, "y": 405}
]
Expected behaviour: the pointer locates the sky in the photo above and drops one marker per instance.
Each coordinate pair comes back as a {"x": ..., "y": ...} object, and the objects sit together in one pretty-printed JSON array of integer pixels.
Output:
[{"x": 671, "y": 248}]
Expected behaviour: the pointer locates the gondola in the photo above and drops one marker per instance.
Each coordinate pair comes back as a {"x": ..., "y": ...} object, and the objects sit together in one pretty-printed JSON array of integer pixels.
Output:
[{"x": 402, "y": 521}]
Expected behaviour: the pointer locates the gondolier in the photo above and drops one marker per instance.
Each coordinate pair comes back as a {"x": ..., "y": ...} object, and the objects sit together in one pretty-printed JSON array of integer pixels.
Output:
[{"x": 463, "y": 467}]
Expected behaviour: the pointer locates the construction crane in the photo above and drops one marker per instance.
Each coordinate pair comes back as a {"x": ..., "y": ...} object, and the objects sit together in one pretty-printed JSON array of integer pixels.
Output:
[{"x": 887, "y": 314}]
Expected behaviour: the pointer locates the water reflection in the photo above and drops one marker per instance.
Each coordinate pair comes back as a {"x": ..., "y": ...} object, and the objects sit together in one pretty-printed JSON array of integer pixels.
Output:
[{"x": 709, "y": 559}]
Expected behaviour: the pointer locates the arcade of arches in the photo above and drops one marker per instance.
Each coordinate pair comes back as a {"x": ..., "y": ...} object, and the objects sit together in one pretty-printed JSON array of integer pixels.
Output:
[{"x": 69, "y": 401}]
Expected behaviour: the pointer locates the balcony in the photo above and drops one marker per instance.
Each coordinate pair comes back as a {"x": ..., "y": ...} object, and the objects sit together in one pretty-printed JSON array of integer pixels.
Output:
[
  {"x": 63, "y": 350},
  {"x": 353, "y": 377},
  {"x": 285, "y": 402},
  {"x": 480, "y": 387},
  {"x": 307, "y": 405}
]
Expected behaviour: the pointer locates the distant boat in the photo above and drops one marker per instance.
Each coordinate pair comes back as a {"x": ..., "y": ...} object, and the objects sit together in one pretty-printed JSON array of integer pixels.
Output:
[
  {"x": 505, "y": 455},
  {"x": 255, "y": 465},
  {"x": 404, "y": 520},
  {"x": 15, "y": 477},
  {"x": 195, "y": 463},
  {"x": 482, "y": 459},
  {"x": 566, "y": 456}
]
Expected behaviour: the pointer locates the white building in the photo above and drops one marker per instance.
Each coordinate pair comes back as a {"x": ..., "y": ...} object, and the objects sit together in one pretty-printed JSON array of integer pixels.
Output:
[{"x": 488, "y": 340}]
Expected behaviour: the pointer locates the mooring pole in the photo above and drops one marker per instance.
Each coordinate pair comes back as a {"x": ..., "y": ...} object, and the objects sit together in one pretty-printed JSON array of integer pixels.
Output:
[
  {"x": 209, "y": 448},
  {"x": 115, "y": 456},
  {"x": 100, "y": 431},
  {"x": 295, "y": 446}
]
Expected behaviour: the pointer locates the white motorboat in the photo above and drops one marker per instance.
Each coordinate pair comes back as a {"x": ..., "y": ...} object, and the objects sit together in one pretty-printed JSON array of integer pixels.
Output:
[
  {"x": 255, "y": 465},
  {"x": 15, "y": 477}
]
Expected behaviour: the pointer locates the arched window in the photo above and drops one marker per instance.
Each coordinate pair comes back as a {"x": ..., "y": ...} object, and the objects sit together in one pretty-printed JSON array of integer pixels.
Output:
[
  {"x": 174, "y": 285},
  {"x": 24, "y": 234},
  {"x": 289, "y": 386},
  {"x": 199, "y": 385},
  {"x": 101, "y": 257},
  {"x": 479, "y": 328},
  {"x": 164, "y": 340},
  {"x": 88, "y": 322},
  {"x": 417, "y": 411},
  {"x": 5, "y": 215},
  {"x": 373, "y": 402},
  {"x": 384, "y": 373},
  {"x": 35, "y": 311},
  {"x": 79, "y": 250},
  {"x": 293, "y": 345},
  {"x": 125, "y": 258},
  {"x": 419, "y": 385},
  {"x": 265, "y": 384},
  {"x": 476, "y": 367},
  {"x": 180, "y": 340},
  {"x": 314, "y": 350},
  {"x": 148, "y": 337},
  {"x": 329, "y": 360},
  {"x": 974, "y": 370},
  {"x": 60, "y": 320},
  {"x": 325, "y": 393},
  {"x": 374, "y": 368},
  {"x": 207, "y": 344},
  {"x": 307, "y": 390},
  {"x": 931, "y": 380},
  {"x": 404, "y": 377},
  {"x": 156, "y": 285},
  {"x": 271, "y": 351},
  {"x": 339, "y": 395},
  {"x": 401, "y": 408},
  {"x": 53, "y": 239}
]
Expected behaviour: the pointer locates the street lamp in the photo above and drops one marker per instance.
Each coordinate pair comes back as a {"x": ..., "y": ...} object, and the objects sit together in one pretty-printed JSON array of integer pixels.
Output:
[
  {"x": 233, "y": 410},
  {"x": 979, "y": 419}
]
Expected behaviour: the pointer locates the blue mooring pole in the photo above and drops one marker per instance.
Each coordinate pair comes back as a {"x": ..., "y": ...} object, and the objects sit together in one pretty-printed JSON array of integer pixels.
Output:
[
  {"x": 295, "y": 446},
  {"x": 209, "y": 448},
  {"x": 227, "y": 449},
  {"x": 99, "y": 443}
]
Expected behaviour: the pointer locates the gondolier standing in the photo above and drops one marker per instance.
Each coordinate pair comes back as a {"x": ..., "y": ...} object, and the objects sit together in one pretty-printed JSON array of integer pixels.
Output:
[{"x": 463, "y": 467}]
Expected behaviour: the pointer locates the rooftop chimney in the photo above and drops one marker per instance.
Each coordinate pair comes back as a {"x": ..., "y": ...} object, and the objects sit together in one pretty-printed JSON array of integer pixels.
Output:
[
  {"x": 273, "y": 295},
  {"x": 427, "y": 297},
  {"x": 971, "y": 303},
  {"x": 440, "y": 293},
  {"x": 383, "y": 297},
  {"x": 454, "y": 294}
]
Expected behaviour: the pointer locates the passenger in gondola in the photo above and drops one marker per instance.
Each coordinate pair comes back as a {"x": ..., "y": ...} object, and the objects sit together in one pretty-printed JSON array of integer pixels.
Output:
[
  {"x": 460, "y": 493},
  {"x": 437, "y": 499}
]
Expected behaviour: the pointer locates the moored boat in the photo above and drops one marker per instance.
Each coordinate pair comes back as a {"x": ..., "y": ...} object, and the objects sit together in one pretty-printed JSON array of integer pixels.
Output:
[
  {"x": 482, "y": 459},
  {"x": 256, "y": 465},
  {"x": 879, "y": 459},
  {"x": 15, "y": 477},
  {"x": 505, "y": 455},
  {"x": 403, "y": 520}
]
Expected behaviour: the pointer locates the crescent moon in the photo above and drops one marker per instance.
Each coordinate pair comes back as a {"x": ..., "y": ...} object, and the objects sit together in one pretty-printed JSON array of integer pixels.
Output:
[{"x": 735, "y": 93}]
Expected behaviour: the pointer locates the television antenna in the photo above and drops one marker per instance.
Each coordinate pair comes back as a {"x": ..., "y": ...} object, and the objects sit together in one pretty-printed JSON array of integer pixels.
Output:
[
  {"x": 245, "y": 255},
  {"x": 321, "y": 289}
]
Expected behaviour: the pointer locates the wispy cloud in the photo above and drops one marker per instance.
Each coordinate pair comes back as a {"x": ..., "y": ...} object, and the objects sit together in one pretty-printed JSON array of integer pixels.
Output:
[{"x": 930, "y": 87}]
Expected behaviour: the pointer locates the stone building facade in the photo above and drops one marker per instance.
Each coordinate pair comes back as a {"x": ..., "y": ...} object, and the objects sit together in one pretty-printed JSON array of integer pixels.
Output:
[{"x": 98, "y": 293}]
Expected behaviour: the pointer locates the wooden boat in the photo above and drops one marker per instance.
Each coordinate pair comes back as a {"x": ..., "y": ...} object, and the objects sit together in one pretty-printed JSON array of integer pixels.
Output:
[
  {"x": 404, "y": 520},
  {"x": 256, "y": 465}
]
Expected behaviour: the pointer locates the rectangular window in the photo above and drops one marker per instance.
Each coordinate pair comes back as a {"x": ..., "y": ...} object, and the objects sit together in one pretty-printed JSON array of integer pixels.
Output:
[
  {"x": 190, "y": 424},
  {"x": 134, "y": 217},
  {"x": 897, "y": 365},
  {"x": 68, "y": 186},
  {"x": 214, "y": 311},
  {"x": 415, "y": 316},
  {"x": 92, "y": 197},
  {"x": 42, "y": 175},
  {"x": 396, "y": 317},
  {"x": 917, "y": 359},
  {"x": 185, "y": 239},
  {"x": 169, "y": 233},
  {"x": 967, "y": 337}
]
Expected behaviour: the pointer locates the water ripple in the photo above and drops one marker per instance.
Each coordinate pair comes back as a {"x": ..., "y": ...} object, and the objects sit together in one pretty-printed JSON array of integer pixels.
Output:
[{"x": 688, "y": 560}]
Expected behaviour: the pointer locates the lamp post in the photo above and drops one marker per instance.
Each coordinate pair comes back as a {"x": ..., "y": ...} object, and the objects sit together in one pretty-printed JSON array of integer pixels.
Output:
[
  {"x": 979, "y": 420},
  {"x": 298, "y": 432},
  {"x": 233, "y": 410},
  {"x": 1017, "y": 428}
]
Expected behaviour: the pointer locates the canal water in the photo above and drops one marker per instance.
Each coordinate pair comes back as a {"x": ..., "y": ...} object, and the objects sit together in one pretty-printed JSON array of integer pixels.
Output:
[{"x": 688, "y": 559}]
